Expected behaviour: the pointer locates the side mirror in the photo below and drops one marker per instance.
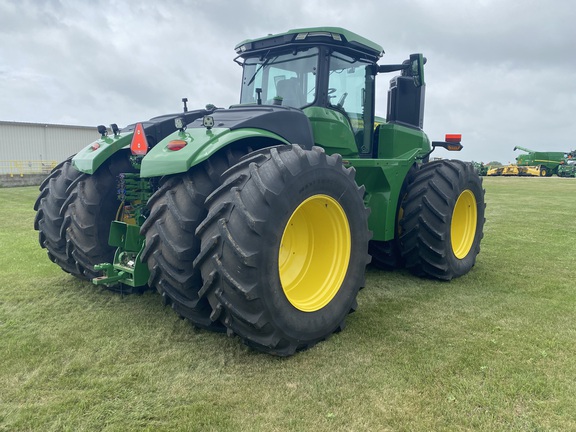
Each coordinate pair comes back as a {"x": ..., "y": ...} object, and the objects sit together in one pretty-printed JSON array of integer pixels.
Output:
[{"x": 417, "y": 62}]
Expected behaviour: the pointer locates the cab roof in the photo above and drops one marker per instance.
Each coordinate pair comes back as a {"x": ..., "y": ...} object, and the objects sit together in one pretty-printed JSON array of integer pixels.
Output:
[{"x": 335, "y": 36}]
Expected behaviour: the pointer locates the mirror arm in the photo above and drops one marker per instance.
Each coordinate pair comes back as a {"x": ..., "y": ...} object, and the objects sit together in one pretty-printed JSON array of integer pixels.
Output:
[{"x": 392, "y": 68}]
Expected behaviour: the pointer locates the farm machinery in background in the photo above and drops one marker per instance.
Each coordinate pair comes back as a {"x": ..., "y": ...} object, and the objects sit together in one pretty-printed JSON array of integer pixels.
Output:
[
  {"x": 568, "y": 169},
  {"x": 533, "y": 163},
  {"x": 481, "y": 168},
  {"x": 259, "y": 220}
]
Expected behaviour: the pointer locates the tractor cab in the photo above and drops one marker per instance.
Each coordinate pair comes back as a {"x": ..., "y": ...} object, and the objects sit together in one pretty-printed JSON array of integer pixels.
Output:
[{"x": 329, "y": 74}]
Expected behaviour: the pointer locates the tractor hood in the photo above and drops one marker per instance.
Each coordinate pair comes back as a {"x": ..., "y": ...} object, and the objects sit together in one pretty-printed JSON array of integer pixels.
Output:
[{"x": 255, "y": 125}]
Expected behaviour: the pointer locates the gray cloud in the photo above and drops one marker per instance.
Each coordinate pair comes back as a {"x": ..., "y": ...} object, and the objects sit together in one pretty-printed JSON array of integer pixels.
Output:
[{"x": 500, "y": 72}]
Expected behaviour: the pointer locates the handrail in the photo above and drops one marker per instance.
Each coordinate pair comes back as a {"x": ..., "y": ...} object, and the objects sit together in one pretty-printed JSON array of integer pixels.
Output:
[{"x": 24, "y": 167}]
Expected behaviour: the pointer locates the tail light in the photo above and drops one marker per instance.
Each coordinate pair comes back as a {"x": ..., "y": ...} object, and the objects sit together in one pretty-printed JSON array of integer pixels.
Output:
[{"x": 176, "y": 145}]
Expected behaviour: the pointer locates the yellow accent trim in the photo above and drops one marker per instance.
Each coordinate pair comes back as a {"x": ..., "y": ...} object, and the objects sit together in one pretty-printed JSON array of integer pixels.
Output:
[
  {"x": 510, "y": 170},
  {"x": 23, "y": 167},
  {"x": 494, "y": 171},
  {"x": 464, "y": 221},
  {"x": 314, "y": 253}
]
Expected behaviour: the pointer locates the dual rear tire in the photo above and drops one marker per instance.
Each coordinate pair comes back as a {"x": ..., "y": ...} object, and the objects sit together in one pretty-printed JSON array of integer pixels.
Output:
[
  {"x": 51, "y": 207},
  {"x": 284, "y": 248},
  {"x": 74, "y": 212},
  {"x": 273, "y": 251},
  {"x": 176, "y": 210}
]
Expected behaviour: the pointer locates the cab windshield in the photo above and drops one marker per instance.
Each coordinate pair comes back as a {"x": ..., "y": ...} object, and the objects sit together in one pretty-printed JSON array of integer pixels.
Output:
[{"x": 287, "y": 79}]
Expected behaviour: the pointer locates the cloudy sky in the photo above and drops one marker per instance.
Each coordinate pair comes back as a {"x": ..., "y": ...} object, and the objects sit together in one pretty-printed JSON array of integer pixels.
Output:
[{"x": 501, "y": 72}]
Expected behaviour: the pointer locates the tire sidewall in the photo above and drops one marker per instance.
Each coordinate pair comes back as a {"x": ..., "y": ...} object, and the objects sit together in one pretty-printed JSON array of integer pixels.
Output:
[
  {"x": 472, "y": 182},
  {"x": 295, "y": 323},
  {"x": 95, "y": 206}
]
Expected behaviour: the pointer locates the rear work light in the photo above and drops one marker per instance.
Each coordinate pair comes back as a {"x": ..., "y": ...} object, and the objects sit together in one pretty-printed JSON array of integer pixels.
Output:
[
  {"x": 452, "y": 142},
  {"x": 176, "y": 145},
  {"x": 302, "y": 36},
  {"x": 454, "y": 147},
  {"x": 139, "y": 144}
]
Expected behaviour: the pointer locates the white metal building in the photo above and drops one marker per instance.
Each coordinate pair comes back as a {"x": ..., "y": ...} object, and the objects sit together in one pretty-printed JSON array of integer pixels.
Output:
[{"x": 38, "y": 144}]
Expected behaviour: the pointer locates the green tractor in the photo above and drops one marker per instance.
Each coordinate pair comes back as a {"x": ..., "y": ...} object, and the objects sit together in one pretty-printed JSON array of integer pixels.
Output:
[
  {"x": 568, "y": 168},
  {"x": 480, "y": 168},
  {"x": 260, "y": 219}
]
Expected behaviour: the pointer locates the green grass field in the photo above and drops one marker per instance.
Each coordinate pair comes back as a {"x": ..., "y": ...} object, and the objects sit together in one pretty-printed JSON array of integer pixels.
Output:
[{"x": 493, "y": 351}]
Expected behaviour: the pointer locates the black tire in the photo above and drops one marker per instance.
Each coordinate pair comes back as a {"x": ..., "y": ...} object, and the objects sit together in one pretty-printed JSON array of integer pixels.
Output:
[
  {"x": 51, "y": 206},
  {"x": 385, "y": 254},
  {"x": 543, "y": 171},
  {"x": 443, "y": 220},
  {"x": 91, "y": 207},
  {"x": 176, "y": 210},
  {"x": 275, "y": 193}
]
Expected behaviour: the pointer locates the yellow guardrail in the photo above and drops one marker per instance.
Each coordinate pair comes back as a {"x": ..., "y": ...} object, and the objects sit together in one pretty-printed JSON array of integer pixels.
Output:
[{"x": 24, "y": 167}]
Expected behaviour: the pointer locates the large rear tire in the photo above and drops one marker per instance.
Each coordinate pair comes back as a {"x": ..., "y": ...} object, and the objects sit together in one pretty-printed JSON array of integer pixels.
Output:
[
  {"x": 176, "y": 210},
  {"x": 443, "y": 220},
  {"x": 51, "y": 206},
  {"x": 91, "y": 207},
  {"x": 284, "y": 248}
]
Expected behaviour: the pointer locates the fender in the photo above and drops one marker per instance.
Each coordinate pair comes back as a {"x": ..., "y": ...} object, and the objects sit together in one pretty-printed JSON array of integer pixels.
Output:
[
  {"x": 265, "y": 123},
  {"x": 200, "y": 145},
  {"x": 95, "y": 154},
  {"x": 89, "y": 159}
]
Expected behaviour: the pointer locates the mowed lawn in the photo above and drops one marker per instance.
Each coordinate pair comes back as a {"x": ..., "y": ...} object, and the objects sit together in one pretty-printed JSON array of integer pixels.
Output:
[{"x": 494, "y": 350}]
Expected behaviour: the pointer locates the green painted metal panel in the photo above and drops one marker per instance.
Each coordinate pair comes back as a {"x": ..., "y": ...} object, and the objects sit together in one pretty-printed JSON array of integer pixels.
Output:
[
  {"x": 95, "y": 154},
  {"x": 127, "y": 268},
  {"x": 398, "y": 141},
  {"x": 332, "y": 130},
  {"x": 383, "y": 180},
  {"x": 201, "y": 144}
]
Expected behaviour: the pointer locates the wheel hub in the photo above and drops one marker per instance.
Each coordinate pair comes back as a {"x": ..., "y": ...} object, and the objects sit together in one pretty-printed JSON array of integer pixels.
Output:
[
  {"x": 314, "y": 253},
  {"x": 464, "y": 221}
]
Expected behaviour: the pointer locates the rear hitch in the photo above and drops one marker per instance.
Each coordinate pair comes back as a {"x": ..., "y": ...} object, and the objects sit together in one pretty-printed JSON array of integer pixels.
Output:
[{"x": 127, "y": 267}]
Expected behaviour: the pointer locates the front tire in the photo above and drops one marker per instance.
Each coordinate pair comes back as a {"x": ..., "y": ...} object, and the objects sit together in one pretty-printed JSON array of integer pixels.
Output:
[
  {"x": 443, "y": 220},
  {"x": 284, "y": 248}
]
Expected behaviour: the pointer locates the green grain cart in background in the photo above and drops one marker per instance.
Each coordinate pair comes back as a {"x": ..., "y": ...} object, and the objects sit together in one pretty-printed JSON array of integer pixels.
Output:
[
  {"x": 535, "y": 163},
  {"x": 260, "y": 219}
]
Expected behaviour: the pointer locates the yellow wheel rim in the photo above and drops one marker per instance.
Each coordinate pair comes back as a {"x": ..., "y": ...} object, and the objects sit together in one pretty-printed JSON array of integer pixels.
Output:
[
  {"x": 314, "y": 253},
  {"x": 464, "y": 220}
]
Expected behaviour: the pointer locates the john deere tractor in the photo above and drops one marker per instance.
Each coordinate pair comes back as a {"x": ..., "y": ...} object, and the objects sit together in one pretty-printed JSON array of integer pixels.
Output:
[{"x": 260, "y": 219}]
